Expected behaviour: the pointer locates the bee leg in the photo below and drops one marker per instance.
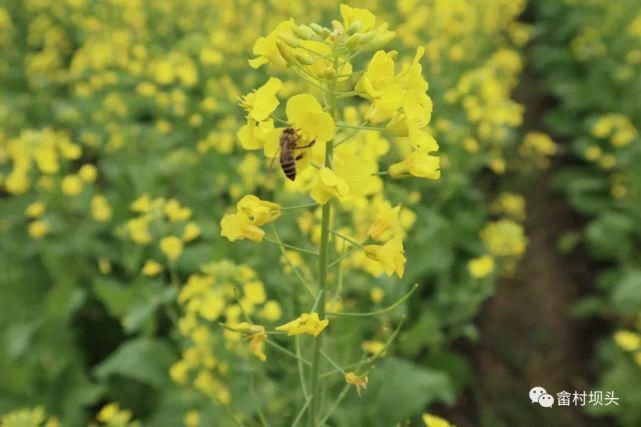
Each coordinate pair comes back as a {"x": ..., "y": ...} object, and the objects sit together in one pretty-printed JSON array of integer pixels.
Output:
[
  {"x": 300, "y": 156},
  {"x": 305, "y": 146}
]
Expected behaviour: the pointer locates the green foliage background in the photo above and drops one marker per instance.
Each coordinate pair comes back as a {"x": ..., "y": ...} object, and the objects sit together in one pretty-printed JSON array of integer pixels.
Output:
[{"x": 80, "y": 326}]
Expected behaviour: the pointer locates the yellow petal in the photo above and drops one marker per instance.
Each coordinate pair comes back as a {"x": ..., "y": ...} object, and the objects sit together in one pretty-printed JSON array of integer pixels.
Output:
[{"x": 305, "y": 113}]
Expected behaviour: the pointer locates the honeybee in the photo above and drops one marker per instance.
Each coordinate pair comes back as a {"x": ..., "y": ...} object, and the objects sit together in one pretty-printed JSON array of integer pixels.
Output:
[{"x": 288, "y": 145}]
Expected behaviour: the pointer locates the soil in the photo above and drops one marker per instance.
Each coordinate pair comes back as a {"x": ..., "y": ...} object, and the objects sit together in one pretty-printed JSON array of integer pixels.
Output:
[{"x": 528, "y": 336}]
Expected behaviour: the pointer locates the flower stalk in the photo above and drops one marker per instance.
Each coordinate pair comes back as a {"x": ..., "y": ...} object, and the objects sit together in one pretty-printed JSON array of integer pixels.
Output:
[
  {"x": 344, "y": 181},
  {"x": 323, "y": 267}
]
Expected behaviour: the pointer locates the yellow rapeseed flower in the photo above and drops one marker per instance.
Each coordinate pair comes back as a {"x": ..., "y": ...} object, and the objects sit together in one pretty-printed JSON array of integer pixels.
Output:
[
  {"x": 139, "y": 230},
  {"x": 592, "y": 153},
  {"x": 360, "y": 381},
  {"x": 36, "y": 209},
  {"x": 112, "y": 414},
  {"x": 306, "y": 323},
  {"x": 256, "y": 336},
  {"x": 504, "y": 238},
  {"x": 376, "y": 295},
  {"x": 24, "y": 417},
  {"x": 254, "y": 136},
  {"x": 434, "y": 421},
  {"x": 390, "y": 256},
  {"x": 266, "y": 48},
  {"x": 172, "y": 247},
  {"x": 379, "y": 73},
  {"x": 191, "y": 232},
  {"x": 38, "y": 229},
  {"x": 71, "y": 185},
  {"x": 262, "y": 102},
  {"x": 387, "y": 218},
  {"x": 175, "y": 212},
  {"x": 627, "y": 340},
  {"x": 151, "y": 268},
  {"x": 419, "y": 164},
  {"x": 238, "y": 226},
  {"x": 142, "y": 204},
  {"x": 100, "y": 209},
  {"x": 328, "y": 184},
  {"x": 510, "y": 204},
  {"x": 260, "y": 212},
  {"x": 304, "y": 112},
  {"x": 271, "y": 311},
  {"x": 191, "y": 419},
  {"x": 88, "y": 173},
  {"x": 481, "y": 267},
  {"x": 375, "y": 348},
  {"x": 351, "y": 15}
]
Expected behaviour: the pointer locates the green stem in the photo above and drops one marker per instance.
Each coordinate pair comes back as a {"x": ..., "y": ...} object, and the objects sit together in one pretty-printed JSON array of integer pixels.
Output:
[
  {"x": 369, "y": 360},
  {"x": 291, "y": 264},
  {"x": 288, "y": 246},
  {"x": 315, "y": 384},
  {"x": 301, "y": 368},
  {"x": 307, "y": 205},
  {"x": 333, "y": 362},
  {"x": 285, "y": 351},
  {"x": 337, "y": 402},
  {"x": 348, "y": 94},
  {"x": 300, "y": 414},
  {"x": 378, "y": 312},
  {"x": 347, "y": 239},
  {"x": 259, "y": 409},
  {"x": 347, "y": 252},
  {"x": 370, "y": 128},
  {"x": 232, "y": 416}
]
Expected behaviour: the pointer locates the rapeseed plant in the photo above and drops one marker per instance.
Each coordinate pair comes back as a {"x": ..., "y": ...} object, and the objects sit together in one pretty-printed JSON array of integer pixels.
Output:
[
  {"x": 140, "y": 140},
  {"x": 330, "y": 160}
]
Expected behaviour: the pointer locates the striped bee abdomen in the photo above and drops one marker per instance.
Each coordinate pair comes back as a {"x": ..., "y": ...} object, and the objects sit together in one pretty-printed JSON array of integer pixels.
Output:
[
  {"x": 288, "y": 164},
  {"x": 288, "y": 141}
]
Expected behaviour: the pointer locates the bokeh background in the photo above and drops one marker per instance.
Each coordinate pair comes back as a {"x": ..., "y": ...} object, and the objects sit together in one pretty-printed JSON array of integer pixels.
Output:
[{"x": 118, "y": 124}]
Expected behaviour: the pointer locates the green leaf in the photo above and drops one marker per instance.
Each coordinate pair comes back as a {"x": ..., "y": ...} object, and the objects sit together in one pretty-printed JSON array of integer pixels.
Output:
[
  {"x": 115, "y": 297},
  {"x": 627, "y": 295},
  {"x": 134, "y": 304},
  {"x": 609, "y": 236},
  {"x": 143, "y": 359},
  {"x": 589, "y": 306},
  {"x": 425, "y": 332}
]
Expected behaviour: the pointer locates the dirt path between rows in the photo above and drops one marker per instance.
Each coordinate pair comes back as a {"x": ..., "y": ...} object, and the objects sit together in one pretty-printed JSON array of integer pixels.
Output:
[{"x": 527, "y": 335}]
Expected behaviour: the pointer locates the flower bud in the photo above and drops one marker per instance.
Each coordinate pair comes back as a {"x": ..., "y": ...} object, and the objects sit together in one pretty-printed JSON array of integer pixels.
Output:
[
  {"x": 353, "y": 29},
  {"x": 286, "y": 52},
  {"x": 321, "y": 31},
  {"x": 328, "y": 73},
  {"x": 382, "y": 39},
  {"x": 353, "y": 41},
  {"x": 304, "y": 32},
  {"x": 366, "y": 38},
  {"x": 289, "y": 39},
  {"x": 304, "y": 58}
]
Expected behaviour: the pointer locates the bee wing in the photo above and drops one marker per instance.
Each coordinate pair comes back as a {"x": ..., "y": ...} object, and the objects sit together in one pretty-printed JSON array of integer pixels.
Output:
[{"x": 277, "y": 154}]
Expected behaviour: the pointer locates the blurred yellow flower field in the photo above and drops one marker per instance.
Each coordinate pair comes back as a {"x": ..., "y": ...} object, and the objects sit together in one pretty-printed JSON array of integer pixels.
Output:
[{"x": 272, "y": 213}]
